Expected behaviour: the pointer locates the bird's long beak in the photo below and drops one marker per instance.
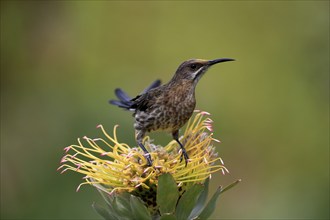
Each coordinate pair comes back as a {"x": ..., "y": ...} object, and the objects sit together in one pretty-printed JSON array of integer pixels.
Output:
[{"x": 212, "y": 62}]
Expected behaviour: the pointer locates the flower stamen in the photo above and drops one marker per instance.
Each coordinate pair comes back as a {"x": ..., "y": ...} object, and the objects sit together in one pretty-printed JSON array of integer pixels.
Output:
[{"x": 112, "y": 166}]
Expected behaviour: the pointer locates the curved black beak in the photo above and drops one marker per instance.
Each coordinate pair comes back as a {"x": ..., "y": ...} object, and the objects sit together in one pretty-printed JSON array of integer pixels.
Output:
[{"x": 212, "y": 62}]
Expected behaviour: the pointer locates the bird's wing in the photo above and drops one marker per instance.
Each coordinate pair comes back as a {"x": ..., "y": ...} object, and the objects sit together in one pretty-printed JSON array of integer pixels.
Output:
[{"x": 146, "y": 100}]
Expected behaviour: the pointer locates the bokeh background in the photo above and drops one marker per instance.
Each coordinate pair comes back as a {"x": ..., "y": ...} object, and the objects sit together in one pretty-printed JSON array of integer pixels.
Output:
[{"x": 61, "y": 61}]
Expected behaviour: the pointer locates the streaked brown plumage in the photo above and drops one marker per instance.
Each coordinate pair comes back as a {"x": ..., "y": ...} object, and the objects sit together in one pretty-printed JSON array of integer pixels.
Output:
[{"x": 166, "y": 107}]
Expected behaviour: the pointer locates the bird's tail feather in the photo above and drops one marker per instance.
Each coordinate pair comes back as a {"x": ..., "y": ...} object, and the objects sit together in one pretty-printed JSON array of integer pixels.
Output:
[
  {"x": 125, "y": 101},
  {"x": 122, "y": 96},
  {"x": 155, "y": 84}
]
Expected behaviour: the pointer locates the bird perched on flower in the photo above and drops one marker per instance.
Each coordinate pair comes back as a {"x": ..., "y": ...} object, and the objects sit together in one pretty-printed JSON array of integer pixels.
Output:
[{"x": 166, "y": 107}]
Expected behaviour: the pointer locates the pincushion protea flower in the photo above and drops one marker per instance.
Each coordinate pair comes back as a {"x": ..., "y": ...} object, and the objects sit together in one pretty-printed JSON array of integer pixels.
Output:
[{"x": 134, "y": 190}]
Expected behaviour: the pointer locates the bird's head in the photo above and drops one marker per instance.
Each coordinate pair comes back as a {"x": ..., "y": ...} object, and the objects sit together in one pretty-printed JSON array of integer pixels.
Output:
[{"x": 192, "y": 70}]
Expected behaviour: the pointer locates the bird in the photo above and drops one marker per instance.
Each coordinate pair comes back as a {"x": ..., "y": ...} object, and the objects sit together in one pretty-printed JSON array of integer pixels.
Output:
[{"x": 166, "y": 107}]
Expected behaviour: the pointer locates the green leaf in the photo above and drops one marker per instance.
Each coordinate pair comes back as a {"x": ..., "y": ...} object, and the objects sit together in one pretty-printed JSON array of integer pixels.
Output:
[
  {"x": 107, "y": 198},
  {"x": 122, "y": 208},
  {"x": 140, "y": 211},
  {"x": 110, "y": 204},
  {"x": 231, "y": 185},
  {"x": 188, "y": 201},
  {"x": 168, "y": 217},
  {"x": 103, "y": 212},
  {"x": 167, "y": 193},
  {"x": 209, "y": 208},
  {"x": 201, "y": 200}
]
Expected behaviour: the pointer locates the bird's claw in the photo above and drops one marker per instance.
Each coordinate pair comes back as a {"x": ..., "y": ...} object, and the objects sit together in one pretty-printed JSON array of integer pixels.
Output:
[
  {"x": 146, "y": 154},
  {"x": 185, "y": 156},
  {"x": 148, "y": 158}
]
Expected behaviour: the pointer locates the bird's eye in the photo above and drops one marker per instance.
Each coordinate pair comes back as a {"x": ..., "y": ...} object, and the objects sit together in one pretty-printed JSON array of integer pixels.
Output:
[{"x": 193, "y": 66}]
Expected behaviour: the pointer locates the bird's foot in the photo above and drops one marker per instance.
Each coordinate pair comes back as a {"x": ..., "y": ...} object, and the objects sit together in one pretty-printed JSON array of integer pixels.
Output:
[
  {"x": 148, "y": 158},
  {"x": 184, "y": 155},
  {"x": 146, "y": 154}
]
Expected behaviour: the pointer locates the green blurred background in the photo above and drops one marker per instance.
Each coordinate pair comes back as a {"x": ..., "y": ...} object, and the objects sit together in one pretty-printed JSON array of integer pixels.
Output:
[{"x": 61, "y": 61}]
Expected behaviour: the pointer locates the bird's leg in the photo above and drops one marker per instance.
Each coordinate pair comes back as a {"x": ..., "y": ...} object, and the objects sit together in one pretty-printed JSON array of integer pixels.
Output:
[
  {"x": 184, "y": 154},
  {"x": 139, "y": 137},
  {"x": 146, "y": 154}
]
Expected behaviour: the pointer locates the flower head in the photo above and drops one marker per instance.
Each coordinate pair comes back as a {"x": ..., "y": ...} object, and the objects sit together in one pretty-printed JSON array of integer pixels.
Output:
[{"x": 114, "y": 167}]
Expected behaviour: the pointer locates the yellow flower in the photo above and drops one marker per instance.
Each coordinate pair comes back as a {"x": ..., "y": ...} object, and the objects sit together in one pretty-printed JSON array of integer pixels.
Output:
[{"x": 112, "y": 166}]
